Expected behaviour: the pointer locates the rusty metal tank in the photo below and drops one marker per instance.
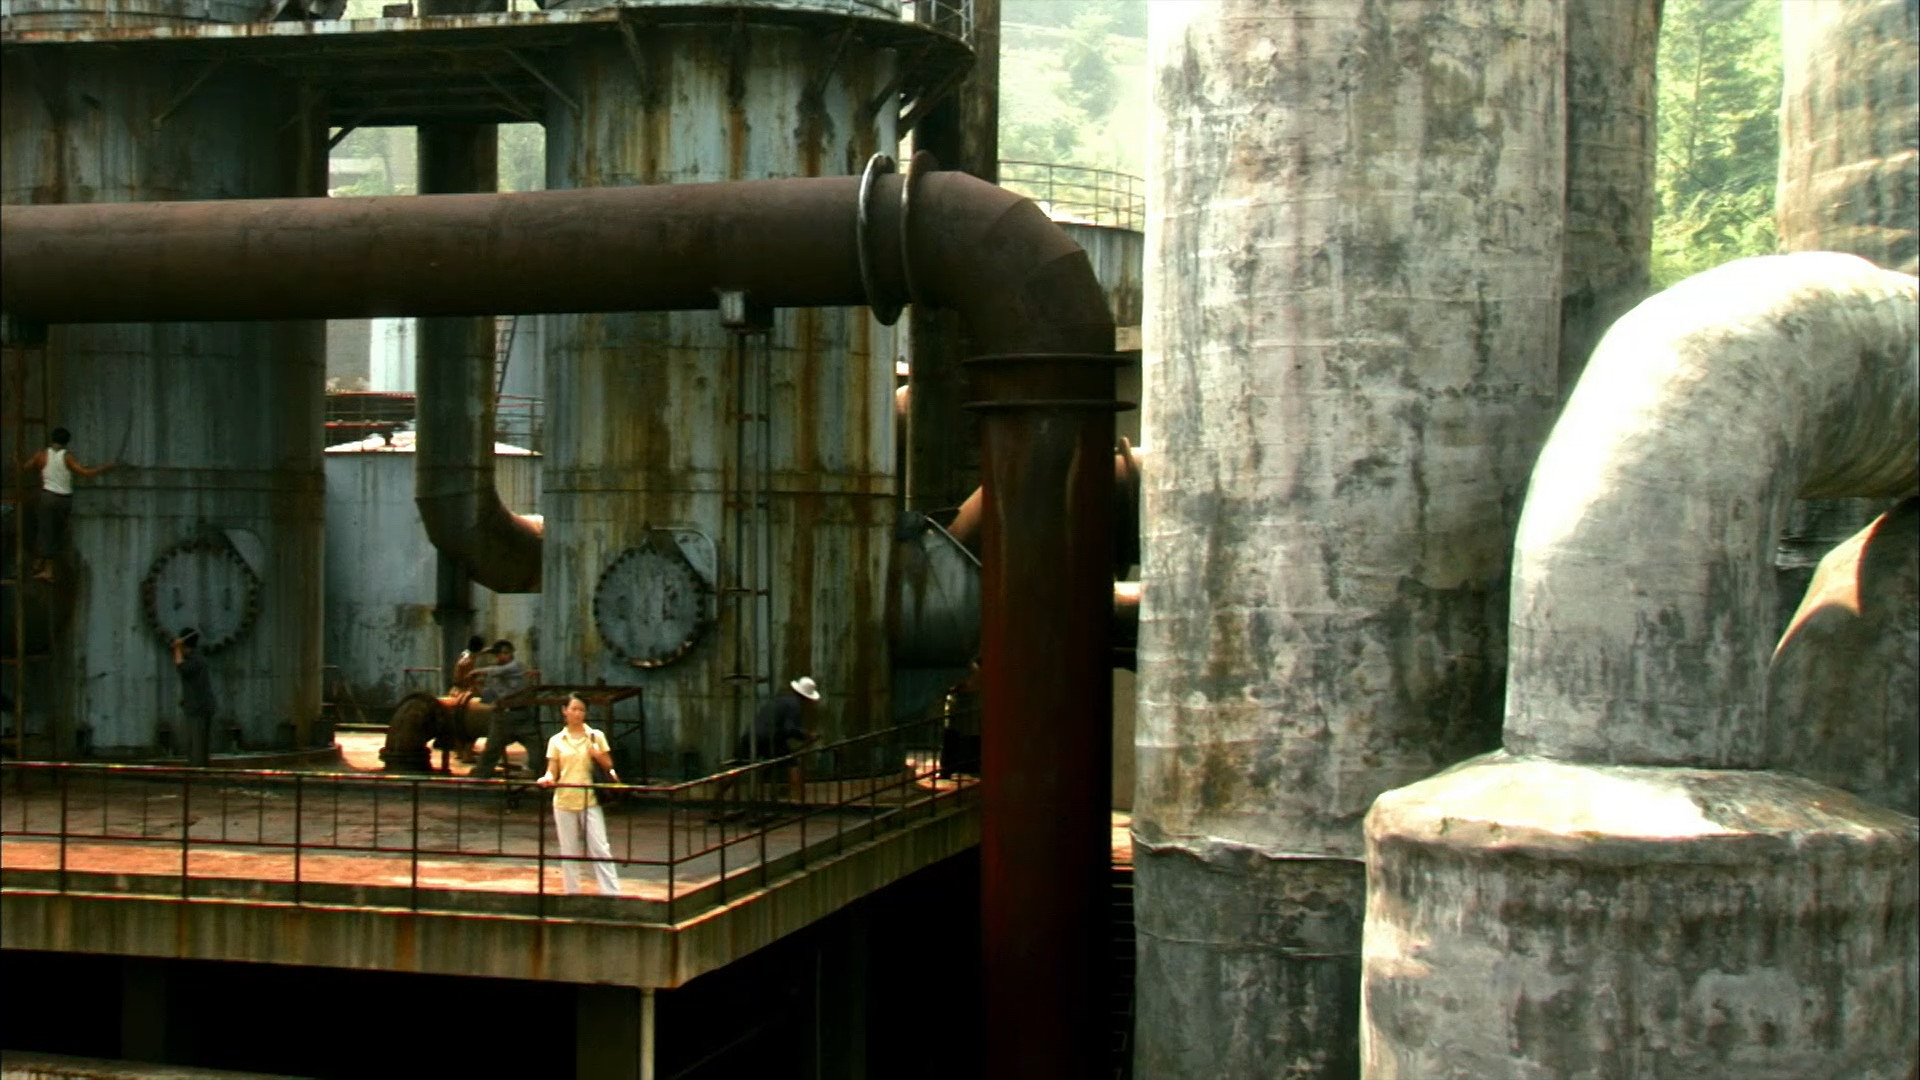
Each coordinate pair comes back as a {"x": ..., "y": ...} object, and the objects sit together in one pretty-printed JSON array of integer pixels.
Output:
[
  {"x": 380, "y": 629},
  {"x": 720, "y": 503},
  {"x": 213, "y": 518}
]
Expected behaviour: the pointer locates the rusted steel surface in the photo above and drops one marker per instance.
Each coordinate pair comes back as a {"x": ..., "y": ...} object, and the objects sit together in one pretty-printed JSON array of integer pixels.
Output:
[
  {"x": 217, "y": 427},
  {"x": 1046, "y": 609},
  {"x": 380, "y": 576},
  {"x": 92, "y": 16},
  {"x": 646, "y": 431},
  {"x": 482, "y": 67},
  {"x": 1117, "y": 256},
  {"x": 453, "y": 468},
  {"x": 1021, "y": 284}
]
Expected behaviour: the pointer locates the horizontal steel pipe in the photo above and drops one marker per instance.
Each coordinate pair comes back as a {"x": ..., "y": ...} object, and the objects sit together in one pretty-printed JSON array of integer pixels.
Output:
[{"x": 988, "y": 254}]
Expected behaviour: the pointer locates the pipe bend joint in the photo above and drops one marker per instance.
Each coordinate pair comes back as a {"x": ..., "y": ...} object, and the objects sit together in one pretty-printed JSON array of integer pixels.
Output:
[{"x": 1643, "y": 590}]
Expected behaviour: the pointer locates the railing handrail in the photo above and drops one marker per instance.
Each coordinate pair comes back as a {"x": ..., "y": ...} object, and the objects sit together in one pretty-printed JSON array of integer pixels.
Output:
[
  {"x": 1086, "y": 194},
  {"x": 734, "y": 808}
]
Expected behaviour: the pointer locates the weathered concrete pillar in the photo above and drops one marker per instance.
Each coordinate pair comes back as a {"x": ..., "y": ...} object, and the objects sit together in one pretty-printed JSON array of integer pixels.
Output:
[
  {"x": 1610, "y": 149},
  {"x": 1353, "y": 298},
  {"x": 1635, "y": 897},
  {"x": 1849, "y": 181}
]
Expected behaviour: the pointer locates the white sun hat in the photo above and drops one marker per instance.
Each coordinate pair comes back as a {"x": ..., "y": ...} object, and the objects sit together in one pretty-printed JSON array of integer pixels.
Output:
[{"x": 805, "y": 688}]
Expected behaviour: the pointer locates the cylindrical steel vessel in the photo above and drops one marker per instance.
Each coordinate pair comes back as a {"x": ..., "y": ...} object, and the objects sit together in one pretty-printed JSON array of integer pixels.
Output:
[
  {"x": 381, "y": 580},
  {"x": 742, "y": 482},
  {"x": 213, "y": 518},
  {"x": 1353, "y": 292}
]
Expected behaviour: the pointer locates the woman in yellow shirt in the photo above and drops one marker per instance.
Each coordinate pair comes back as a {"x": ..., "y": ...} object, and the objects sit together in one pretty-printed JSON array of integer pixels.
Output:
[{"x": 571, "y": 755}]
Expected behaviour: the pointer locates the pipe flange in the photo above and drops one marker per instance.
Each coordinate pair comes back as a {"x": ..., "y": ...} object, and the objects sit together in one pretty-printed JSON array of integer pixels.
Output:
[
  {"x": 878, "y": 166},
  {"x": 205, "y": 584},
  {"x": 923, "y": 162}
]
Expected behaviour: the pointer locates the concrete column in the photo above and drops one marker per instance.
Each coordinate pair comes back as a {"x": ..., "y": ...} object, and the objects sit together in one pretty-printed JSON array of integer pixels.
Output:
[
  {"x": 1353, "y": 293},
  {"x": 613, "y": 1033},
  {"x": 143, "y": 1009}
]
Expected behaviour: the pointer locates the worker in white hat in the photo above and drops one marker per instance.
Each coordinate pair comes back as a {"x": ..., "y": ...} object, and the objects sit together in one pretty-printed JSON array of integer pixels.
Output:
[{"x": 780, "y": 729}]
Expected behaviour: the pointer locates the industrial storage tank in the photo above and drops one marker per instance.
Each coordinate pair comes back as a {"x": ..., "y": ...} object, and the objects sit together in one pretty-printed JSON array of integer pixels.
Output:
[
  {"x": 213, "y": 520},
  {"x": 720, "y": 502},
  {"x": 381, "y": 637}
]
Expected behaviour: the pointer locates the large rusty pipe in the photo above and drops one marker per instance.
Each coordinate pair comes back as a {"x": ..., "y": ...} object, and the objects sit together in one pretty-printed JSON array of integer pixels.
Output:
[
  {"x": 1018, "y": 280},
  {"x": 1046, "y": 599}
]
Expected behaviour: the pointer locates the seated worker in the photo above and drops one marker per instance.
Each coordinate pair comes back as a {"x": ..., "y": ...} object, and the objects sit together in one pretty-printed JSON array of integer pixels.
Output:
[
  {"x": 462, "y": 690},
  {"x": 503, "y": 677},
  {"x": 779, "y": 729}
]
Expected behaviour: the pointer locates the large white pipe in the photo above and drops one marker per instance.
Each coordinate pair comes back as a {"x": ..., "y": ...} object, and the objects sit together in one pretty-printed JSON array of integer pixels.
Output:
[{"x": 1701, "y": 416}]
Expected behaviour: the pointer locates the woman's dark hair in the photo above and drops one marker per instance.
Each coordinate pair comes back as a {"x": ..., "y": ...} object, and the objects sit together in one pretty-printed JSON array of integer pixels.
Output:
[
  {"x": 573, "y": 696},
  {"x": 59, "y": 436},
  {"x": 476, "y": 643},
  {"x": 190, "y": 638}
]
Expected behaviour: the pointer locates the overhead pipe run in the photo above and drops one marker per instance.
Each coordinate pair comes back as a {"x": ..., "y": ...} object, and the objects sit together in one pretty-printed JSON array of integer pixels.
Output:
[
  {"x": 1027, "y": 294},
  {"x": 1022, "y": 285}
]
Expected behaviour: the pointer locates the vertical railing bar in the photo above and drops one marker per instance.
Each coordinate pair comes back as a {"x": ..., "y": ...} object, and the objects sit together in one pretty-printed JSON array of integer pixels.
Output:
[
  {"x": 299, "y": 836},
  {"x": 539, "y": 856},
  {"x": 672, "y": 817},
  {"x": 186, "y": 828},
  {"x": 62, "y": 774},
  {"x": 413, "y": 851}
]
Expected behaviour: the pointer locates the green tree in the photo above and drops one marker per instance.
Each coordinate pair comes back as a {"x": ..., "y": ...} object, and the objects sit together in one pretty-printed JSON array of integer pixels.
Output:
[
  {"x": 1719, "y": 134},
  {"x": 1090, "y": 79}
]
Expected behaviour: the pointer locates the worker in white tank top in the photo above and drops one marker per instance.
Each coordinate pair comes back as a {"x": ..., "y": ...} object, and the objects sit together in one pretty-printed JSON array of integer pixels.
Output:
[{"x": 57, "y": 467}]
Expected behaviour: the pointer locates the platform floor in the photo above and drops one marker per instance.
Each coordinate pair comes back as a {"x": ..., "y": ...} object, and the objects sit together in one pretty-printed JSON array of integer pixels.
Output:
[{"x": 471, "y": 838}]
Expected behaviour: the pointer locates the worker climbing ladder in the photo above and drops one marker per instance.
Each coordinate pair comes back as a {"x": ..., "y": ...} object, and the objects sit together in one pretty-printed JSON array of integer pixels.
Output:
[{"x": 23, "y": 358}]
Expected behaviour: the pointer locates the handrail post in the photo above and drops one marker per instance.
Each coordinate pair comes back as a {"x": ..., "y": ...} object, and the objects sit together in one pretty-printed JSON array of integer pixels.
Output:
[
  {"x": 186, "y": 828},
  {"x": 63, "y": 818},
  {"x": 540, "y": 854},
  {"x": 673, "y": 820},
  {"x": 413, "y": 852},
  {"x": 299, "y": 815}
]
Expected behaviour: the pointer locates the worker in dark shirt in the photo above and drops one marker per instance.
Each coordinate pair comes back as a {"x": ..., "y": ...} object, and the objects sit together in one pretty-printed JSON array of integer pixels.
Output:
[
  {"x": 506, "y": 675},
  {"x": 779, "y": 728},
  {"x": 196, "y": 696}
]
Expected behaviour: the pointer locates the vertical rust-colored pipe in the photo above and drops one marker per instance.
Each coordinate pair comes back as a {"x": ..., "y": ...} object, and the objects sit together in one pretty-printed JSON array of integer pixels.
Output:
[{"x": 1046, "y": 598}]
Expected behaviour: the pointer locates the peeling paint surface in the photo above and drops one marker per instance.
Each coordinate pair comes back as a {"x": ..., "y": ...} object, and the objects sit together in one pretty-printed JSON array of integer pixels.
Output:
[
  {"x": 380, "y": 576},
  {"x": 641, "y": 426},
  {"x": 218, "y": 426}
]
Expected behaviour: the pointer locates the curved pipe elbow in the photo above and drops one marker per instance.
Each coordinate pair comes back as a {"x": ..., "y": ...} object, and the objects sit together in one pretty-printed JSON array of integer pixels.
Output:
[
  {"x": 501, "y": 550},
  {"x": 1018, "y": 280},
  {"x": 1643, "y": 593}
]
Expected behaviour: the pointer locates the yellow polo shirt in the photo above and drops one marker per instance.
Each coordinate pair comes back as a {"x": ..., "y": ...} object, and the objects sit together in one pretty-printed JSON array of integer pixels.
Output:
[{"x": 576, "y": 767}]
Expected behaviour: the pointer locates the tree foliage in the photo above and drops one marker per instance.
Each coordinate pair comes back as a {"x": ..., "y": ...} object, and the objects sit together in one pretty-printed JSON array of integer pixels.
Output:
[
  {"x": 1073, "y": 82},
  {"x": 1719, "y": 134}
]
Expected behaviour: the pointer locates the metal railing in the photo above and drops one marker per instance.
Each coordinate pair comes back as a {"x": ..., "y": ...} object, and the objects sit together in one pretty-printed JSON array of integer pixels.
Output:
[
  {"x": 951, "y": 17},
  {"x": 1079, "y": 194},
  {"x": 439, "y": 843},
  {"x": 520, "y": 420}
]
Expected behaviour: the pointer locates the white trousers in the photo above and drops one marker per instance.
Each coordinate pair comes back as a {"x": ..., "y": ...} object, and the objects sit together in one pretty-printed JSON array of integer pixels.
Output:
[{"x": 589, "y": 824}]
